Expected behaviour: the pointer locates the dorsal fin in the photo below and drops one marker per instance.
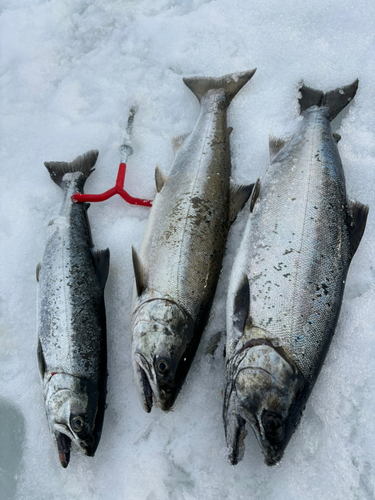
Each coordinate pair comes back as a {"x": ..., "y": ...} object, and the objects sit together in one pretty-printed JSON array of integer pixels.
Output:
[
  {"x": 357, "y": 214},
  {"x": 160, "y": 178},
  {"x": 255, "y": 195},
  {"x": 230, "y": 130},
  {"x": 139, "y": 272},
  {"x": 337, "y": 137},
  {"x": 275, "y": 145},
  {"x": 178, "y": 141},
  {"x": 239, "y": 194}
]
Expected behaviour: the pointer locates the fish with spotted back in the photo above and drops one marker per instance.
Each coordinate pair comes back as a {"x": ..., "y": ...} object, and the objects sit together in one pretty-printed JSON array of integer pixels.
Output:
[
  {"x": 180, "y": 260},
  {"x": 288, "y": 279},
  {"x": 72, "y": 350}
]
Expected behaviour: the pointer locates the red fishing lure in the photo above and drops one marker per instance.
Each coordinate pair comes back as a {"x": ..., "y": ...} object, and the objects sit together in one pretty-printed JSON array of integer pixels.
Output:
[{"x": 118, "y": 189}]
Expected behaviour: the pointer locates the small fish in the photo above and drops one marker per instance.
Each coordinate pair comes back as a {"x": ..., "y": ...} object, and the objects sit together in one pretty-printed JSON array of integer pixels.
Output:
[
  {"x": 288, "y": 279},
  {"x": 181, "y": 256},
  {"x": 72, "y": 351}
]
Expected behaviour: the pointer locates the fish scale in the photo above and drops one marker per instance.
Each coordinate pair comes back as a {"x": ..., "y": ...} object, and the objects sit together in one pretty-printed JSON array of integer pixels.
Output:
[
  {"x": 187, "y": 213},
  {"x": 63, "y": 277},
  {"x": 288, "y": 279},
  {"x": 72, "y": 352},
  {"x": 181, "y": 255},
  {"x": 287, "y": 200}
]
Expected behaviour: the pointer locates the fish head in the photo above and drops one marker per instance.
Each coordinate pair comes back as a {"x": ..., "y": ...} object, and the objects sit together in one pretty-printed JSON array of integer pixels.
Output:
[
  {"x": 74, "y": 415},
  {"x": 161, "y": 334},
  {"x": 266, "y": 391}
]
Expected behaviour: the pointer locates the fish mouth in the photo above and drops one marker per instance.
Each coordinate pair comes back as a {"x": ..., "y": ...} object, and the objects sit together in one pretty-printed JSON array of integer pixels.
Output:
[
  {"x": 265, "y": 391},
  {"x": 273, "y": 457},
  {"x": 272, "y": 440},
  {"x": 88, "y": 446},
  {"x": 234, "y": 426},
  {"x": 149, "y": 390},
  {"x": 236, "y": 417},
  {"x": 75, "y": 411},
  {"x": 64, "y": 439},
  {"x": 63, "y": 447},
  {"x": 167, "y": 398},
  {"x": 144, "y": 387},
  {"x": 272, "y": 448}
]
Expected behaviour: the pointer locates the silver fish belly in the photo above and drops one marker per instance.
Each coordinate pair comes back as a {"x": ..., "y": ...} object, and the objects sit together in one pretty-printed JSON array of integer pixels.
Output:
[
  {"x": 182, "y": 250},
  {"x": 72, "y": 351},
  {"x": 288, "y": 279}
]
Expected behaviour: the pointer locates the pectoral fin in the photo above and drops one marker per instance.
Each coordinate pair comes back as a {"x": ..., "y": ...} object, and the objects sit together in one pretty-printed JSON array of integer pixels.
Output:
[
  {"x": 38, "y": 268},
  {"x": 101, "y": 262},
  {"x": 139, "y": 272},
  {"x": 275, "y": 145},
  {"x": 160, "y": 178},
  {"x": 238, "y": 197},
  {"x": 255, "y": 195},
  {"x": 41, "y": 360},
  {"x": 241, "y": 305},
  {"x": 178, "y": 141},
  {"x": 357, "y": 215}
]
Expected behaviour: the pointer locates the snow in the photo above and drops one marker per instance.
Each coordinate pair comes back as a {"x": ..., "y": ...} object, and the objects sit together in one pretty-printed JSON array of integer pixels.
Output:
[{"x": 70, "y": 70}]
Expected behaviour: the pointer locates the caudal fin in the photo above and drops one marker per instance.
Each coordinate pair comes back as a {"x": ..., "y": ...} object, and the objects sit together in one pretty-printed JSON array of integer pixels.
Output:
[
  {"x": 335, "y": 100},
  {"x": 231, "y": 84},
  {"x": 84, "y": 164}
]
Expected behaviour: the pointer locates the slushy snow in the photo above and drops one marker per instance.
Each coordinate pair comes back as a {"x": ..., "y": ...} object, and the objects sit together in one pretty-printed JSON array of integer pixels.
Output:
[{"x": 70, "y": 71}]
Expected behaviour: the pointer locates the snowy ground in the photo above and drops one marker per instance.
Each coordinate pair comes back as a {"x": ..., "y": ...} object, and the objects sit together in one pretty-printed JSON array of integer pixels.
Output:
[{"x": 70, "y": 70}]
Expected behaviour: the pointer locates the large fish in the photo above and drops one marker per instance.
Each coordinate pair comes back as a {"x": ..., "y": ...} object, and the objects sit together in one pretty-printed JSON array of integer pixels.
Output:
[
  {"x": 72, "y": 350},
  {"x": 288, "y": 279},
  {"x": 183, "y": 246}
]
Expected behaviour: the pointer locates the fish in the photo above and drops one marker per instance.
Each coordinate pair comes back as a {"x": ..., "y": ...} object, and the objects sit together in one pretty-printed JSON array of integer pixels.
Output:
[
  {"x": 179, "y": 263},
  {"x": 288, "y": 278},
  {"x": 72, "y": 346}
]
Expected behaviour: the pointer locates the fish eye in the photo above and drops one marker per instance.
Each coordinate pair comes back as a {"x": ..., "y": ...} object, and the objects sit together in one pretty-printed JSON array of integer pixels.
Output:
[
  {"x": 271, "y": 422},
  {"x": 162, "y": 366},
  {"x": 77, "y": 424}
]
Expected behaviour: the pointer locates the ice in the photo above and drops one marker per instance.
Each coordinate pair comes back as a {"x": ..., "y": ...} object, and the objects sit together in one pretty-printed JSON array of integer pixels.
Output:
[{"x": 70, "y": 70}]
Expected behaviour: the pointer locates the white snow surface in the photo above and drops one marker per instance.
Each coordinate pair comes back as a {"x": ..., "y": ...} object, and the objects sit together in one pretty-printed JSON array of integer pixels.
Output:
[{"x": 70, "y": 70}]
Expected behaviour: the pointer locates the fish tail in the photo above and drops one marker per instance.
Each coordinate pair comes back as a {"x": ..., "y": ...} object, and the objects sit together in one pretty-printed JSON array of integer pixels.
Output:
[
  {"x": 335, "y": 100},
  {"x": 231, "y": 84},
  {"x": 84, "y": 164}
]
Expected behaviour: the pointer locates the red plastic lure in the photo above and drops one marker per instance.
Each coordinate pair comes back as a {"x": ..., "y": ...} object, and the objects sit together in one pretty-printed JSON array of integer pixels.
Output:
[{"x": 118, "y": 189}]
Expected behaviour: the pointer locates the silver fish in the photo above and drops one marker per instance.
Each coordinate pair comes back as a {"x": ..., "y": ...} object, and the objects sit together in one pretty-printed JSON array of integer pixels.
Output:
[
  {"x": 72, "y": 352},
  {"x": 288, "y": 279},
  {"x": 182, "y": 250}
]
